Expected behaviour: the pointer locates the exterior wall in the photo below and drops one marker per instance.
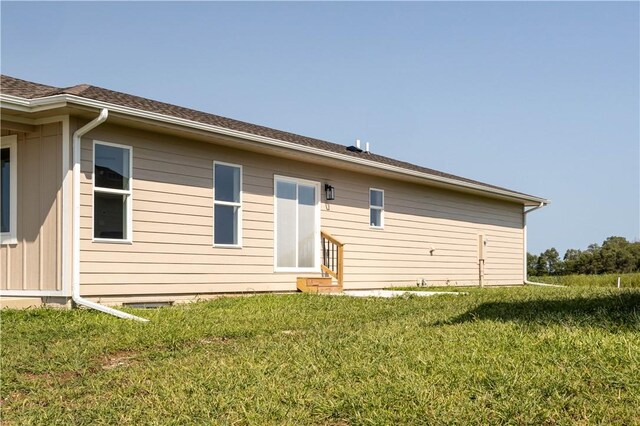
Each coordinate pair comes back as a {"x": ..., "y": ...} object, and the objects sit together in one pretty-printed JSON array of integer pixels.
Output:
[
  {"x": 23, "y": 302},
  {"x": 34, "y": 263},
  {"x": 172, "y": 250}
]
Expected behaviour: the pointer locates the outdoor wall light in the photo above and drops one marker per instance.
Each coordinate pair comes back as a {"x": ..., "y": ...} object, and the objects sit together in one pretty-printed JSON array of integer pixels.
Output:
[{"x": 329, "y": 192}]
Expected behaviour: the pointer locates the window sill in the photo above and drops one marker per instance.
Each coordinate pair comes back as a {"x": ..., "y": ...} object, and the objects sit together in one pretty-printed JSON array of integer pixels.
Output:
[
  {"x": 377, "y": 228},
  {"x": 229, "y": 246},
  {"x": 8, "y": 241},
  {"x": 110, "y": 241}
]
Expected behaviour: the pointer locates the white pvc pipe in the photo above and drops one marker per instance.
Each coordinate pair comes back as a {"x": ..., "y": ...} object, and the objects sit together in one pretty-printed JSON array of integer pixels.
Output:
[
  {"x": 524, "y": 262},
  {"x": 75, "y": 294}
]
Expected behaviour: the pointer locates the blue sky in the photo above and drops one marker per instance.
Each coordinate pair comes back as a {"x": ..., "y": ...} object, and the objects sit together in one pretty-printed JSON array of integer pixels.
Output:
[{"x": 542, "y": 98}]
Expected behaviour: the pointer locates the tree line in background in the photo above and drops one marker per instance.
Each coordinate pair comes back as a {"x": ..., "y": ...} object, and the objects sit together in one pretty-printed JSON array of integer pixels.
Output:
[{"x": 615, "y": 255}]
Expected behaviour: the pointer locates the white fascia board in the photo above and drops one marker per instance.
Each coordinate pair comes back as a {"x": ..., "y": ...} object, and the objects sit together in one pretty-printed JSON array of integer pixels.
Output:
[
  {"x": 40, "y": 104},
  {"x": 32, "y": 105}
]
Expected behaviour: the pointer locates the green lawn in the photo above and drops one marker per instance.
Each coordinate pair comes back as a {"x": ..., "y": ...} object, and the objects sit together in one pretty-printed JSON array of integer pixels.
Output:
[
  {"x": 605, "y": 280},
  {"x": 519, "y": 355}
]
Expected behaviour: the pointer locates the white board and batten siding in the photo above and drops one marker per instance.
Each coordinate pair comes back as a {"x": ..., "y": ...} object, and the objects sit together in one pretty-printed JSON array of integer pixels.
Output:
[{"x": 429, "y": 233}]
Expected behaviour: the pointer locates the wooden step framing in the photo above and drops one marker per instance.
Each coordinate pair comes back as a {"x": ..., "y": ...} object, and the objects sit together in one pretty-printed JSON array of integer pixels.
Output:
[{"x": 317, "y": 285}]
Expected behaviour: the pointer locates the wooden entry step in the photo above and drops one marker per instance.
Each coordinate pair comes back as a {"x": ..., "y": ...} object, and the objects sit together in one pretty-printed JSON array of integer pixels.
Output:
[{"x": 317, "y": 285}]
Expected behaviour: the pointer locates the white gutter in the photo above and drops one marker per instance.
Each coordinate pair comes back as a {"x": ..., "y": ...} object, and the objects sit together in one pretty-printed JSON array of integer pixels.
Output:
[
  {"x": 524, "y": 263},
  {"x": 39, "y": 104},
  {"x": 77, "y": 136}
]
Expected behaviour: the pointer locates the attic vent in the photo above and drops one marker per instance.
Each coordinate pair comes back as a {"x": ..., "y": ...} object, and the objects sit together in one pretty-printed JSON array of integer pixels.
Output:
[{"x": 355, "y": 148}]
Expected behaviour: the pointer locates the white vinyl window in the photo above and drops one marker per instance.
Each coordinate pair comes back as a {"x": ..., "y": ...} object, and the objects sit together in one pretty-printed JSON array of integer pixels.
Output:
[
  {"x": 376, "y": 208},
  {"x": 227, "y": 205},
  {"x": 112, "y": 184},
  {"x": 9, "y": 189}
]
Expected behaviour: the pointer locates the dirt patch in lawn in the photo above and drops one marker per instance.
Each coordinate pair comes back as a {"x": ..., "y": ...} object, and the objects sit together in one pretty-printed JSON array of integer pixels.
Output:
[{"x": 118, "y": 360}]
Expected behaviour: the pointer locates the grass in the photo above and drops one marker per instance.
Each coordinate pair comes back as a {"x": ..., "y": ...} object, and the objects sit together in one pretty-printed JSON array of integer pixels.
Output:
[
  {"x": 605, "y": 280},
  {"x": 498, "y": 356}
]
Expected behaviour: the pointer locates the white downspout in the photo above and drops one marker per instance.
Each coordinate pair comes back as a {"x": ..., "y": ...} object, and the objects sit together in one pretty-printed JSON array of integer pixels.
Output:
[
  {"x": 524, "y": 263},
  {"x": 77, "y": 136}
]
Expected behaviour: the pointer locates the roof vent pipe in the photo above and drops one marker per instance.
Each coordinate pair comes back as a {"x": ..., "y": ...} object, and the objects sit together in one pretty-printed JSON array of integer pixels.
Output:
[
  {"x": 75, "y": 295},
  {"x": 358, "y": 143},
  {"x": 366, "y": 147}
]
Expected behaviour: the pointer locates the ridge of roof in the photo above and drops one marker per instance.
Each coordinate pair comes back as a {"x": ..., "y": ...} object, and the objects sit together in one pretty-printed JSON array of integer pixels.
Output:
[
  {"x": 75, "y": 90},
  {"x": 26, "y": 89}
]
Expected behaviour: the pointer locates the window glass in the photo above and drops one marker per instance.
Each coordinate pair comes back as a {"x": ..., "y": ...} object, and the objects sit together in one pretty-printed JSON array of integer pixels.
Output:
[
  {"x": 306, "y": 226},
  {"x": 307, "y": 195},
  {"x": 226, "y": 225},
  {"x": 109, "y": 216},
  {"x": 286, "y": 206},
  {"x": 286, "y": 190},
  {"x": 5, "y": 191},
  {"x": 111, "y": 167},
  {"x": 376, "y": 218},
  {"x": 227, "y": 182},
  {"x": 375, "y": 198}
]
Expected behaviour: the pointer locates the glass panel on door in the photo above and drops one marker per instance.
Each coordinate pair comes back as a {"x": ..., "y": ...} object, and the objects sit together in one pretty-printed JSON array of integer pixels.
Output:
[
  {"x": 306, "y": 226},
  {"x": 286, "y": 214}
]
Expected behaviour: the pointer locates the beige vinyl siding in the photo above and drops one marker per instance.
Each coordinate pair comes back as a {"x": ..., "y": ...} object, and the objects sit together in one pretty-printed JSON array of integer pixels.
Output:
[
  {"x": 172, "y": 250},
  {"x": 34, "y": 262}
]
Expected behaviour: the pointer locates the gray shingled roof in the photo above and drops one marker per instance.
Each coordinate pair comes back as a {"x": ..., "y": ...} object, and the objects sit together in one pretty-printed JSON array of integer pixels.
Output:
[{"x": 29, "y": 90}]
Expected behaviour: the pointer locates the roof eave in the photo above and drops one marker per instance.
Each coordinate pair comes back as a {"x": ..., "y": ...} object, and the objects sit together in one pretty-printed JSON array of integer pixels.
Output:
[{"x": 56, "y": 101}]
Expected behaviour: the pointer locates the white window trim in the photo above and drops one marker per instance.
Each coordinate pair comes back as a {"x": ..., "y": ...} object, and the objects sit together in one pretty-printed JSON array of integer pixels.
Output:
[
  {"x": 227, "y": 203},
  {"x": 11, "y": 237},
  {"x": 381, "y": 208},
  {"x": 316, "y": 267},
  {"x": 128, "y": 193}
]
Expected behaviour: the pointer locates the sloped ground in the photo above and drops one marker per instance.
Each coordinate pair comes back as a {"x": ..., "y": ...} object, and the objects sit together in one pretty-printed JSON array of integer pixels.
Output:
[{"x": 517, "y": 355}]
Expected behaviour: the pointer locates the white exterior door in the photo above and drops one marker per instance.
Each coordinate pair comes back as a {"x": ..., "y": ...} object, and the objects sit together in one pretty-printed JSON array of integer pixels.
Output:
[{"x": 297, "y": 225}]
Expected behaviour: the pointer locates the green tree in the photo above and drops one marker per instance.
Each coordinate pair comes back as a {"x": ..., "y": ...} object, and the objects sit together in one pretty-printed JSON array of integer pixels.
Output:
[
  {"x": 634, "y": 249},
  {"x": 542, "y": 267},
  {"x": 592, "y": 260},
  {"x": 616, "y": 255},
  {"x": 571, "y": 261},
  {"x": 554, "y": 263},
  {"x": 532, "y": 259}
]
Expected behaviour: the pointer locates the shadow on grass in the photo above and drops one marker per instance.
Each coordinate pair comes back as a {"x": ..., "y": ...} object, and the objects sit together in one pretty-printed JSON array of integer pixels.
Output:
[{"x": 618, "y": 311}]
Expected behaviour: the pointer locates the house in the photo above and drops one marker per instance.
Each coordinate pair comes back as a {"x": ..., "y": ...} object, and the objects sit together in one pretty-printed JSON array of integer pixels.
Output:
[{"x": 112, "y": 198}]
